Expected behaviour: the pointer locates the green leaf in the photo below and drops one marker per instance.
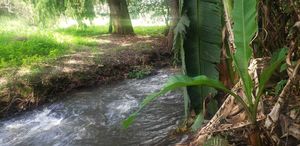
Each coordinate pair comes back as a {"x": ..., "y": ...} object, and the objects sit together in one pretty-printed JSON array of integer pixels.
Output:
[
  {"x": 178, "y": 50},
  {"x": 283, "y": 67},
  {"x": 126, "y": 123},
  {"x": 181, "y": 26},
  {"x": 244, "y": 29},
  {"x": 228, "y": 5},
  {"x": 276, "y": 60},
  {"x": 279, "y": 86},
  {"x": 198, "y": 122},
  {"x": 178, "y": 82},
  {"x": 216, "y": 141},
  {"x": 179, "y": 33},
  {"x": 202, "y": 45},
  {"x": 212, "y": 107},
  {"x": 181, "y": 6}
]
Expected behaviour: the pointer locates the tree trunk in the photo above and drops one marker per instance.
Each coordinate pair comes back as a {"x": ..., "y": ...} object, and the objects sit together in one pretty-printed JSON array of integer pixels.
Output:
[
  {"x": 120, "y": 18},
  {"x": 110, "y": 27},
  {"x": 174, "y": 11}
]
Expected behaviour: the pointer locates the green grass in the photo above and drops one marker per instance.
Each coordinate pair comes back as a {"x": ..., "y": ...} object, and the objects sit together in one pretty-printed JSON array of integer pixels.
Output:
[
  {"x": 25, "y": 45},
  {"x": 149, "y": 30},
  {"x": 92, "y": 31},
  {"x": 84, "y": 32},
  {"x": 16, "y": 50}
]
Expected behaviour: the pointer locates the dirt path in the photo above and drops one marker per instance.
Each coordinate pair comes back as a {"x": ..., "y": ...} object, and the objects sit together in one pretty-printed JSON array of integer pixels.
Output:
[{"x": 111, "y": 60}]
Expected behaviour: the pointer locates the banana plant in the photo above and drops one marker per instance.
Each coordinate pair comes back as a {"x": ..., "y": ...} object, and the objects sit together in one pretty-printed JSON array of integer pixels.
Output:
[
  {"x": 179, "y": 81},
  {"x": 245, "y": 27}
]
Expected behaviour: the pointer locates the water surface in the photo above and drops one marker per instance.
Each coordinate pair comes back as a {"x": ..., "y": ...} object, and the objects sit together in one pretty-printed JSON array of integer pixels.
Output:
[{"x": 92, "y": 117}]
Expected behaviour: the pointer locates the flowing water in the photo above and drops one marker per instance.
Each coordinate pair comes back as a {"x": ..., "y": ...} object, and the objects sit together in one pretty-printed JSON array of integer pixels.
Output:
[{"x": 92, "y": 117}]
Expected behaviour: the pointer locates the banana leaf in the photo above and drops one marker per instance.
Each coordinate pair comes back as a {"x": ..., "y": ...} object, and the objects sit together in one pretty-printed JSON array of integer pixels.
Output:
[
  {"x": 245, "y": 26},
  {"x": 202, "y": 45}
]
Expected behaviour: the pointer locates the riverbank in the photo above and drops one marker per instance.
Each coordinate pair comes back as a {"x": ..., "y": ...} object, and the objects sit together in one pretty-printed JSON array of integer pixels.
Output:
[{"x": 111, "y": 58}]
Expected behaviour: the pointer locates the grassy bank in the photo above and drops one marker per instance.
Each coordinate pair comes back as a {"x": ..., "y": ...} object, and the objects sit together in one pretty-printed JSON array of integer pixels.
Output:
[
  {"x": 23, "y": 45},
  {"x": 39, "y": 64}
]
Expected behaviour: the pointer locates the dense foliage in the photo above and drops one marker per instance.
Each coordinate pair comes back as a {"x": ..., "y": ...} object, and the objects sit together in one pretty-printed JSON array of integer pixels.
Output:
[
  {"x": 47, "y": 10},
  {"x": 140, "y": 8}
]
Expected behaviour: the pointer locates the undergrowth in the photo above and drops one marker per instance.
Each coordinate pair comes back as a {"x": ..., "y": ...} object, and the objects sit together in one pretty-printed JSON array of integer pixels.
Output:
[
  {"x": 19, "y": 50},
  {"x": 140, "y": 72}
]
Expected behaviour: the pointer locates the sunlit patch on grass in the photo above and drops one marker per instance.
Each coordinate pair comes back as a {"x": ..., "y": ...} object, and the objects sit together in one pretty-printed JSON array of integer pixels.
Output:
[
  {"x": 24, "y": 71},
  {"x": 2, "y": 81},
  {"x": 74, "y": 62},
  {"x": 126, "y": 44},
  {"x": 89, "y": 31},
  {"x": 104, "y": 41},
  {"x": 150, "y": 30}
]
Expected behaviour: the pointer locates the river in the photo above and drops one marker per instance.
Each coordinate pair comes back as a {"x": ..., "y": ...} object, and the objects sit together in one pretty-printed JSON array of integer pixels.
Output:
[{"x": 91, "y": 117}]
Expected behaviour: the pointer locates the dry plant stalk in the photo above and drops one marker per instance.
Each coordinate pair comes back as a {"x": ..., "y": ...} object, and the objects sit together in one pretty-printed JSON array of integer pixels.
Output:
[{"x": 273, "y": 116}]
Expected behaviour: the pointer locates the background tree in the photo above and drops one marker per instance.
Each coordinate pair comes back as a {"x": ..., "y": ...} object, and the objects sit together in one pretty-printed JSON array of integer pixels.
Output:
[
  {"x": 16, "y": 8},
  {"x": 48, "y": 11},
  {"x": 120, "y": 20},
  {"x": 154, "y": 8},
  {"x": 174, "y": 13},
  {"x": 80, "y": 10},
  {"x": 119, "y": 15},
  {"x": 169, "y": 9}
]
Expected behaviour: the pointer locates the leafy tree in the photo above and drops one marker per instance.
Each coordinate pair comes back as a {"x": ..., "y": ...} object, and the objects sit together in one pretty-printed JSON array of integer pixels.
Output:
[
  {"x": 80, "y": 9},
  {"x": 138, "y": 8},
  {"x": 83, "y": 9},
  {"x": 15, "y": 8},
  {"x": 47, "y": 10}
]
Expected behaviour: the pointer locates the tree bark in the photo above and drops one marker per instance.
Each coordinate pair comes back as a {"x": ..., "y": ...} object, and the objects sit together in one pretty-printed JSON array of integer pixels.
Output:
[
  {"x": 174, "y": 11},
  {"x": 110, "y": 27},
  {"x": 120, "y": 18}
]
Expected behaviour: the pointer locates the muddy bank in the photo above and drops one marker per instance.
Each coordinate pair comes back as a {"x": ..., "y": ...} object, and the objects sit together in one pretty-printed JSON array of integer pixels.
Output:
[{"x": 22, "y": 90}]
